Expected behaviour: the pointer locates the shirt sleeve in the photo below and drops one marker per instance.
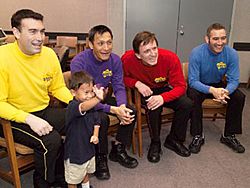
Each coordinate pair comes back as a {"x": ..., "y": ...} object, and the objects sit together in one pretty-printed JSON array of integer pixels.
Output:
[
  {"x": 8, "y": 111},
  {"x": 176, "y": 81},
  {"x": 233, "y": 72},
  {"x": 118, "y": 84},
  {"x": 194, "y": 74},
  {"x": 128, "y": 80},
  {"x": 58, "y": 88}
]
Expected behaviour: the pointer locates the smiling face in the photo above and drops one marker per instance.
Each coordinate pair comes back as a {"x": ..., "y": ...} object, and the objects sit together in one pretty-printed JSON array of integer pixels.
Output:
[
  {"x": 30, "y": 36},
  {"x": 84, "y": 92},
  {"x": 148, "y": 53},
  {"x": 102, "y": 46},
  {"x": 216, "y": 40}
]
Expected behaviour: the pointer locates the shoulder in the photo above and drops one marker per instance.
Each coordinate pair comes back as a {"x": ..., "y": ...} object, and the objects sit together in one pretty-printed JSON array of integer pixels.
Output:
[
  {"x": 48, "y": 51},
  {"x": 6, "y": 49},
  {"x": 114, "y": 57},
  {"x": 199, "y": 49},
  {"x": 129, "y": 57},
  {"x": 167, "y": 56},
  {"x": 230, "y": 50}
]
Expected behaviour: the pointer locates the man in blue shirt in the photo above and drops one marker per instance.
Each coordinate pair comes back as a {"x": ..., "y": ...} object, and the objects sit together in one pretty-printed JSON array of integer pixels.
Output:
[{"x": 208, "y": 64}]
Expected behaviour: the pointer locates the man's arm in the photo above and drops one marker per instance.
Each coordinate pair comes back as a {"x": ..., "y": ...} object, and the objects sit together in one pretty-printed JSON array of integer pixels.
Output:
[
  {"x": 233, "y": 72},
  {"x": 194, "y": 74},
  {"x": 176, "y": 81}
]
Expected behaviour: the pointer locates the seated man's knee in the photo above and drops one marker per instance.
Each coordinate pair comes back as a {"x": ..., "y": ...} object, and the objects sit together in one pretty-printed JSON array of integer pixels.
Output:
[
  {"x": 238, "y": 96},
  {"x": 51, "y": 142},
  {"x": 192, "y": 93},
  {"x": 186, "y": 103}
]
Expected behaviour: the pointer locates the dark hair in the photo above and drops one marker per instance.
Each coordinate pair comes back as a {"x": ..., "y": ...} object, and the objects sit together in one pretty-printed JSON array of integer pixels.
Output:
[
  {"x": 214, "y": 26},
  {"x": 100, "y": 29},
  {"x": 79, "y": 78},
  {"x": 143, "y": 38},
  {"x": 22, "y": 14}
]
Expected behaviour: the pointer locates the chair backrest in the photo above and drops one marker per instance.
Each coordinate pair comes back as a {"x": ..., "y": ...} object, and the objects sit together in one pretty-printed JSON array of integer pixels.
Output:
[
  {"x": 69, "y": 41},
  {"x": 63, "y": 56},
  {"x": 10, "y": 39},
  {"x": 185, "y": 70},
  {"x": 46, "y": 40}
]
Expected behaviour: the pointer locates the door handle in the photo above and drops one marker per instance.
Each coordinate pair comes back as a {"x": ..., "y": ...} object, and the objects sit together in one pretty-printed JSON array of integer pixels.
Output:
[{"x": 181, "y": 32}]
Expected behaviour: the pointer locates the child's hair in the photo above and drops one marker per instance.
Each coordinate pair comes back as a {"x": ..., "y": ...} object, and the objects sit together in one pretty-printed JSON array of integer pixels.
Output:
[{"x": 79, "y": 78}]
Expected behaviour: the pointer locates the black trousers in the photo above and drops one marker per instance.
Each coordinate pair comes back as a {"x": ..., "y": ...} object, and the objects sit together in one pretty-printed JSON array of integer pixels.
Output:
[
  {"x": 48, "y": 149},
  {"x": 182, "y": 107},
  {"x": 234, "y": 110},
  {"x": 124, "y": 132}
]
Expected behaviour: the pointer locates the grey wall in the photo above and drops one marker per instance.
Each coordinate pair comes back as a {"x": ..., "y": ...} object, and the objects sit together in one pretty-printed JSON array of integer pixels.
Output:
[{"x": 241, "y": 33}]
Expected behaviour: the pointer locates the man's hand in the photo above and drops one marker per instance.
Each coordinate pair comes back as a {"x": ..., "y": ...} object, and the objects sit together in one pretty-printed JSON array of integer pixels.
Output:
[
  {"x": 143, "y": 89},
  {"x": 220, "y": 94},
  {"x": 94, "y": 139},
  {"x": 154, "y": 102},
  {"x": 38, "y": 125},
  {"x": 99, "y": 92},
  {"x": 123, "y": 113}
]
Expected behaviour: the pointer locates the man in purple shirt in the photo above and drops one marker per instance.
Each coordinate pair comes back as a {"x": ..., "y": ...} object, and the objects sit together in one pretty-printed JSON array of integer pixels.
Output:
[{"x": 106, "y": 69}]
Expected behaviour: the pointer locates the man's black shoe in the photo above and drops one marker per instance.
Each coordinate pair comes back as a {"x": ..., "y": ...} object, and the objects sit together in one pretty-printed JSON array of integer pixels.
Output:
[
  {"x": 177, "y": 147},
  {"x": 197, "y": 142},
  {"x": 102, "y": 169},
  {"x": 154, "y": 152},
  {"x": 119, "y": 154},
  {"x": 233, "y": 143}
]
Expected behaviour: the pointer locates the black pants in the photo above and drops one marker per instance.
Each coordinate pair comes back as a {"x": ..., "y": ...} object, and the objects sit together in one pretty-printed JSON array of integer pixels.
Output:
[
  {"x": 233, "y": 113},
  {"x": 124, "y": 132},
  {"x": 48, "y": 149},
  {"x": 182, "y": 107}
]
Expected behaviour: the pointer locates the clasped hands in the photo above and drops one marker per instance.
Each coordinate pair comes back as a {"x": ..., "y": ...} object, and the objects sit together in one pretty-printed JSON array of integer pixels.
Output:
[
  {"x": 154, "y": 101},
  {"x": 123, "y": 113},
  {"x": 220, "y": 94}
]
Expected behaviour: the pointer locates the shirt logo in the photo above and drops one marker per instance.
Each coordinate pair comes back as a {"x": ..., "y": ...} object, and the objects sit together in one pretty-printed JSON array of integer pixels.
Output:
[
  {"x": 221, "y": 65},
  {"x": 160, "y": 79},
  {"x": 47, "y": 78},
  {"x": 106, "y": 73}
]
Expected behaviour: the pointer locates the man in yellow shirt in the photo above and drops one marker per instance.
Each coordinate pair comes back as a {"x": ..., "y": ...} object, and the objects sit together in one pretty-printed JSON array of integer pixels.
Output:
[{"x": 29, "y": 73}]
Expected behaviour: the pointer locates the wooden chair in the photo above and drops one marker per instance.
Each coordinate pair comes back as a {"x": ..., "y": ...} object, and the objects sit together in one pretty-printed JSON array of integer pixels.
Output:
[
  {"x": 135, "y": 96},
  {"x": 20, "y": 157},
  {"x": 10, "y": 39},
  {"x": 211, "y": 109},
  {"x": 63, "y": 56},
  {"x": 69, "y": 41}
]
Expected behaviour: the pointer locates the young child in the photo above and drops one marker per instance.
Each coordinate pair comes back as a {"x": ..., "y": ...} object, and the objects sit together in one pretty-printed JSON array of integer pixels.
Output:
[{"x": 82, "y": 128}]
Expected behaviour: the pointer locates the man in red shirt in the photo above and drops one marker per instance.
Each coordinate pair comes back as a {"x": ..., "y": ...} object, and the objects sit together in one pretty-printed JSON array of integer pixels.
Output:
[{"x": 158, "y": 76}]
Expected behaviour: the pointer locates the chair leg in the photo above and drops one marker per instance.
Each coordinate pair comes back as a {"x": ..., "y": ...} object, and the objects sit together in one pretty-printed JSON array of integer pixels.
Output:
[
  {"x": 134, "y": 143},
  {"x": 139, "y": 134},
  {"x": 11, "y": 153}
]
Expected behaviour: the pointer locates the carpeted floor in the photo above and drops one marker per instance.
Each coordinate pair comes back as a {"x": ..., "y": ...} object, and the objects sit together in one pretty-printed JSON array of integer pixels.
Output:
[{"x": 216, "y": 166}]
